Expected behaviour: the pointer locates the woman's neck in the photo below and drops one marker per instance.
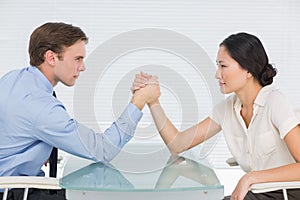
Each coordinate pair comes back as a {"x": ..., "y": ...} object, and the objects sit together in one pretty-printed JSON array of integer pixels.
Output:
[
  {"x": 247, "y": 97},
  {"x": 248, "y": 94}
]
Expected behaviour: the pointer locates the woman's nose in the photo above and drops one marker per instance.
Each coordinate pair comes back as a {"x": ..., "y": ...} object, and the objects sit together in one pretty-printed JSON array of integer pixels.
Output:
[{"x": 218, "y": 73}]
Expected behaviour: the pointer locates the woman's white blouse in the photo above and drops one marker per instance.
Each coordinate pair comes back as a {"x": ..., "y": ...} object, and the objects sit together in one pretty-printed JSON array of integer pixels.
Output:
[{"x": 261, "y": 145}]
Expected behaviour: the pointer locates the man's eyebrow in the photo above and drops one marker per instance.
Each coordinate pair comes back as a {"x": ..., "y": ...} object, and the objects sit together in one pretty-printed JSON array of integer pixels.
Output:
[{"x": 81, "y": 57}]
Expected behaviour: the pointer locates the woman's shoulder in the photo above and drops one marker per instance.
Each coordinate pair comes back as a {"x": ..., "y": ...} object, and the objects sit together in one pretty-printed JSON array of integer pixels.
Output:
[
  {"x": 276, "y": 99},
  {"x": 275, "y": 95}
]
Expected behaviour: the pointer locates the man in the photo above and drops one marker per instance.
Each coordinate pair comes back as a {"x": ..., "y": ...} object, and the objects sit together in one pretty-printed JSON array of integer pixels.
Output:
[{"x": 33, "y": 121}]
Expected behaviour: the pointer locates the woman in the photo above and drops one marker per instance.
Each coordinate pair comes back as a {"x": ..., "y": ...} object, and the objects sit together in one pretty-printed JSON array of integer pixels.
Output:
[{"x": 266, "y": 127}]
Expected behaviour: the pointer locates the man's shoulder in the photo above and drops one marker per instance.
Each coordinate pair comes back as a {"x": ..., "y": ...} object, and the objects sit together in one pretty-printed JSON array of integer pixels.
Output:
[{"x": 10, "y": 74}]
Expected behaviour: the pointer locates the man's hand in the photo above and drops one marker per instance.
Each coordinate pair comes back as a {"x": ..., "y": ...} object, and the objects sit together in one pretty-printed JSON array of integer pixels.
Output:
[{"x": 145, "y": 90}]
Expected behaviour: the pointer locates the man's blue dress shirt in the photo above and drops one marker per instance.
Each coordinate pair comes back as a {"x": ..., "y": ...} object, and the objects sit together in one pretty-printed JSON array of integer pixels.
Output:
[{"x": 32, "y": 121}]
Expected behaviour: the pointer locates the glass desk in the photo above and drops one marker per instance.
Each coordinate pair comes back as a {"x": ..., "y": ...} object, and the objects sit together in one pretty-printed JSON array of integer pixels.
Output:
[{"x": 150, "y": 175}]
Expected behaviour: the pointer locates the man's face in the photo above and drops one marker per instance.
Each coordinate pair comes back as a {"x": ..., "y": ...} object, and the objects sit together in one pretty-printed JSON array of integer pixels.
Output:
[{"x": 70, "y": 64}]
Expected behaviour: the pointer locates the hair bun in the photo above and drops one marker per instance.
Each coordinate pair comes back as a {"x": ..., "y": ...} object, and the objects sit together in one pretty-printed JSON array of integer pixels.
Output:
[{"x": 267, "y": 75}]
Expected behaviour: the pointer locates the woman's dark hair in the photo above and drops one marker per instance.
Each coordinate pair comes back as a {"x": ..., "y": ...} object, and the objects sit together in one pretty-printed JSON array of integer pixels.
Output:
[
  {"x": 52, "y": 36},
  {"x": 249, "y": 52}
]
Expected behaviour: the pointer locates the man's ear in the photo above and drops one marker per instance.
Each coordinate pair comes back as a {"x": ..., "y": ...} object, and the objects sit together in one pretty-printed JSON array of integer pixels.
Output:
[{"x": 50, "y": 57}]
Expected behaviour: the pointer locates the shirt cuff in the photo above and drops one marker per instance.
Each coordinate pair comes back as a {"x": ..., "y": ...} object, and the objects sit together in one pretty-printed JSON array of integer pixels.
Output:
[
  {"x": 134, "y": 113},
  {"x": 129, "y": 119}
]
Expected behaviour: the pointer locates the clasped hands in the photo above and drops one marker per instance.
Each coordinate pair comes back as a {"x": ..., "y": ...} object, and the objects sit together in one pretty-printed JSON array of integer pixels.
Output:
[{"x": 145, "y": 89}]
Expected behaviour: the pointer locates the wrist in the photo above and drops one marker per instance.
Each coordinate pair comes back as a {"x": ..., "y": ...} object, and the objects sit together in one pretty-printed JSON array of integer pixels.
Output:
[
  {"x": 250, "y": 178},
  {"x": 139, "y": 101},
  {"x": 152, "y": 103}
]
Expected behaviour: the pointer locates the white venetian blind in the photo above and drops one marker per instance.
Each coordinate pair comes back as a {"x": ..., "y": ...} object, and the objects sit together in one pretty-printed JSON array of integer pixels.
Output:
[{"x": 174, "y": 39}]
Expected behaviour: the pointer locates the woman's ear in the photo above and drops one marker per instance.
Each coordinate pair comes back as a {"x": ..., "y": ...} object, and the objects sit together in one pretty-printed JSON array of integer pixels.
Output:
[{"x": 249, "y": 75}]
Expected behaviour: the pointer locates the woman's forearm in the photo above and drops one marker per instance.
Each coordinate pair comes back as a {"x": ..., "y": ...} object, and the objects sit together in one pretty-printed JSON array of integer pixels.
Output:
[
  {"x": 166, "y": 129},
  {"x": 280, "y": 174},
  {"x": 179, "y": 141}
]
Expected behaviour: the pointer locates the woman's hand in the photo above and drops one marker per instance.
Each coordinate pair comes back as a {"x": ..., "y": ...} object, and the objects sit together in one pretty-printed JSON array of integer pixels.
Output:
[
  {"x": 140, "y": 81},
  {"x": 242, "y": 187},
  {"x": 145, "y": 89}
]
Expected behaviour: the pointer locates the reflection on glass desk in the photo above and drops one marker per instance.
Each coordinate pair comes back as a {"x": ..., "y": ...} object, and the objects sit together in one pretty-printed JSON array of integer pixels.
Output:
[
  {"x": 178, "y": 178},
  {"x": 96, "y": 176}
]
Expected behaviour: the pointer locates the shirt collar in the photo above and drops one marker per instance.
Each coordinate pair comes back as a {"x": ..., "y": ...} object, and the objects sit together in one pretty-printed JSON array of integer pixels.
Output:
[
  {"x": 262, "y": 95},
  {"x": 260, "y": 98},
  {"x": 45, "y": 83}
]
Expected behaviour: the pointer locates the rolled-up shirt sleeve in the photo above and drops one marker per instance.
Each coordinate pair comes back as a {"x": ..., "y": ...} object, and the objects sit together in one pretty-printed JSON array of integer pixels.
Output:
[
  {"x": 58, "y": 129},
  {"x": 283, "y": 114}
]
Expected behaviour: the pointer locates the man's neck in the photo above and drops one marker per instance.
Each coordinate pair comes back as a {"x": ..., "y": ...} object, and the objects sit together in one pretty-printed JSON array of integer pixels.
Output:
[{"x": 48, "y": 73}]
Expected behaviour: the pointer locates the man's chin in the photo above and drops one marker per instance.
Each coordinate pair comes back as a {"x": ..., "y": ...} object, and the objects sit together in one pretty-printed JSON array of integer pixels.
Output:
[{"x": 69, "y": 84}]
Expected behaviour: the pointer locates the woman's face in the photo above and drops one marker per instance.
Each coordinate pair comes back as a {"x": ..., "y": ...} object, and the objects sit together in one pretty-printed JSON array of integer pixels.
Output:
[{"x": 231, "y": 76}]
